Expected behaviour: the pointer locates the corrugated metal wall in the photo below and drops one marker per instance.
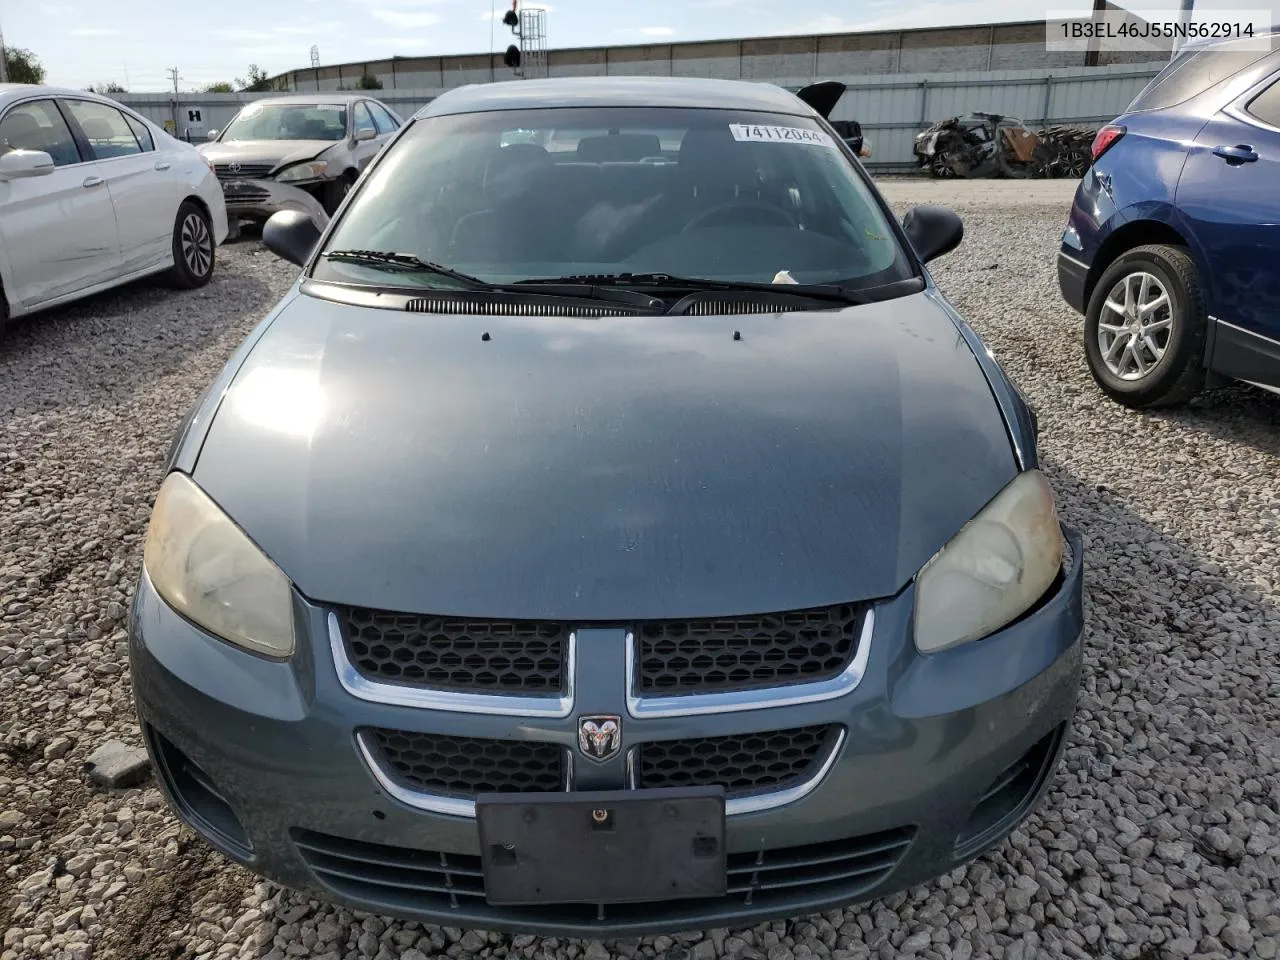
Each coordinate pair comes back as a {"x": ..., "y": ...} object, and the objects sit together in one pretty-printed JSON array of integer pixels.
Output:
[
  {"x": 1002, "y": 46},
  {"x": 890, "y": 107}
]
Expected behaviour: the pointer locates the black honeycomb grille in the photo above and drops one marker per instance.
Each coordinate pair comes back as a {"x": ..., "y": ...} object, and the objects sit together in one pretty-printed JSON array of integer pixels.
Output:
[
  {"x": 742, "y": 763},
  {"x": 746, "y": 653},
  {"x": 466, "y": 766},
  {"x": 477, "y": 656}
]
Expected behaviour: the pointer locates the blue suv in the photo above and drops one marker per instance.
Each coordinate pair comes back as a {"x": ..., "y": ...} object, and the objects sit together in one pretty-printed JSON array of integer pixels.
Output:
[{"x": 1172, "y": 250}]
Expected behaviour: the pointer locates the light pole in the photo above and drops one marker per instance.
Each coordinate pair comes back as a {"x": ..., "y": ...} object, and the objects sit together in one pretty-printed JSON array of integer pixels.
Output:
[{"x": 4, "y": 61}]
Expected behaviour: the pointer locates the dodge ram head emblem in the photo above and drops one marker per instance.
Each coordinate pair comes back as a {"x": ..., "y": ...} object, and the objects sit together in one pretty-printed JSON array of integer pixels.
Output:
[{"x": 600, "y": 737}]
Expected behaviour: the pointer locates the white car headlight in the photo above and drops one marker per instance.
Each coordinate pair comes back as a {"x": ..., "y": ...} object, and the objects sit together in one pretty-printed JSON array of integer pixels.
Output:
[
  {"x": 311, "y": 170},
  {"x": 998, "y": 565},
  {"x": 207, "y": 569}
]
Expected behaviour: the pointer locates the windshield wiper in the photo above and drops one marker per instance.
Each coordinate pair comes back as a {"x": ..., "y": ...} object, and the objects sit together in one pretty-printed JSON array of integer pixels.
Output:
[
  {"x": 406, "y": 262},
  {"x": 587, "y": 291},
  {"x": 667, "y": 281}
]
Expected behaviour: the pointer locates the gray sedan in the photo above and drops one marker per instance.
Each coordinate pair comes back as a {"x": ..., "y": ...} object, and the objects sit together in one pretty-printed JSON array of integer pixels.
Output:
[
  {"x": 610, "y": 532},
  {"x": 298, "y": 153}
]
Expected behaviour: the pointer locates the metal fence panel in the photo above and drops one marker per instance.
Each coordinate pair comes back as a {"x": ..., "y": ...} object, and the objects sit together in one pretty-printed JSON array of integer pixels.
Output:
[{"x": 890, "y": 107}]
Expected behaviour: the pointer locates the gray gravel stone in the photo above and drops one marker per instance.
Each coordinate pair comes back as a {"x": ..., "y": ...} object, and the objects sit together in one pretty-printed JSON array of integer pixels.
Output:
[{"x": 1159, "y": 837}]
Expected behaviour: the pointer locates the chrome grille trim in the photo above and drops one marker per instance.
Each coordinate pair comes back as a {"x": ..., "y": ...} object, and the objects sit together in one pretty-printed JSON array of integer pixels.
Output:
[
  {"x": 422, "y": 698},
  {"x": 429, "y": 802},
  {"x": 790, "y": 695},
  {"x": 461, "y": 807},
  {"x": 247, "y": 171}
]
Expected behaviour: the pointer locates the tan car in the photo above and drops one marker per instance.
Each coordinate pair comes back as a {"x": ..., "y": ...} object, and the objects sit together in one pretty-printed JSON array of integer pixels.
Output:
[{"x": 299, "y": 152}]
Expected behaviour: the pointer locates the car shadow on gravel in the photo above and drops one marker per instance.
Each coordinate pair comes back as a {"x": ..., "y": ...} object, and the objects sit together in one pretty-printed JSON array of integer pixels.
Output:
[
  {"x": 1237, "y": 413},
  {"x": 106, "y": 346},
  {"x": 1159, "y": 836}
]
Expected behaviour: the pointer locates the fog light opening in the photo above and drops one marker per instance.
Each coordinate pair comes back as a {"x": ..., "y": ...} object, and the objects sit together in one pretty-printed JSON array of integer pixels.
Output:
[
  {"x": 198, "y": 798},
  {"x": 1010, "y": 796}
]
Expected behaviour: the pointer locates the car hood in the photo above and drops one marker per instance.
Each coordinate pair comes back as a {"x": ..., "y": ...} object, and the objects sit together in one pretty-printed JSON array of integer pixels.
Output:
[
  {"x": 275, "y": 152},
  {"x": 605, "y": 469}
]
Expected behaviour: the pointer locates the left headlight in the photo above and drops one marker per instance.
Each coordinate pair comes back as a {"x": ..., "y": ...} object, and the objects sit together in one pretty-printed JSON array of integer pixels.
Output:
[
  {"x": 311, "y": 170},
  {"x": 206, "y": 568},
  {"x": 998, "y": 565}
]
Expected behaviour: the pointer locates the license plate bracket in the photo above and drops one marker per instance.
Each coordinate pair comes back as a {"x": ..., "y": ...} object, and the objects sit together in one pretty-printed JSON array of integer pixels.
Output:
[{"x": 616, "y": 846}]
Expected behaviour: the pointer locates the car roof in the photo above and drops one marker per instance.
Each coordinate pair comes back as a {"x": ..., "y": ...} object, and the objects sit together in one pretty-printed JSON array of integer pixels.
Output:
[
  {"x": 1199, "y": 43},
  {"x": 617, "y": 92},
  {"x": 301, "y": 98},
  {"x": 13, "y": 91}
]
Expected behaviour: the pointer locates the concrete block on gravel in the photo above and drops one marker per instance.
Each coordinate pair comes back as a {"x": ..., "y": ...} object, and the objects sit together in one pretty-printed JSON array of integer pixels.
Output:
[{"x": 116, "y": 764}]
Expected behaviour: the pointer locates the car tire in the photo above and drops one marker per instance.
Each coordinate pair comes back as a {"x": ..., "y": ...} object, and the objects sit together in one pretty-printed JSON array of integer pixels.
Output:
[
  {"x": 336, "y": 191},
  {"x": 193, "y": 248},
  {"x": 1145, "y": 328}
]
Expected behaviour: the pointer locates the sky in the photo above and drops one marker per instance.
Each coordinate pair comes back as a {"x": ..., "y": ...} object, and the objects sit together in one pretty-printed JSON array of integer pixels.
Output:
[{"x": 136, "y": 42}]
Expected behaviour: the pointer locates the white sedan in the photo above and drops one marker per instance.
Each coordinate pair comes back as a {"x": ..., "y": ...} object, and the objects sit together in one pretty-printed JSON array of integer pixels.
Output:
[{"x": 92, "y": 196}]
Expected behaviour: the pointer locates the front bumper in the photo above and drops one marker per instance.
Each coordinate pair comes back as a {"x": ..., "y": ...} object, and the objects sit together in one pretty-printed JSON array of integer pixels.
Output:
[
  {"x": 261, "y": 758},
  {"x": 259, "y": 199}
]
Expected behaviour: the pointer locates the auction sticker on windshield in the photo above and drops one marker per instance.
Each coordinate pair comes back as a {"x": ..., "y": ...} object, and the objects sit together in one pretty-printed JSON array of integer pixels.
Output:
[{"x": 756, "y": 132}]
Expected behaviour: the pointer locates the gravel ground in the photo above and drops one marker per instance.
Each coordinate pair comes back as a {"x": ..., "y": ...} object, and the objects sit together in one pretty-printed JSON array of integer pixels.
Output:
[{"x": 1159, "y": 839}]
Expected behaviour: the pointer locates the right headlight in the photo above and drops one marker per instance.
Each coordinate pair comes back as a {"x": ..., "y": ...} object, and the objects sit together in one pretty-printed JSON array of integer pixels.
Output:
[
  {"x": 998, "y": 565},
  {"x": 311, "y": 170},
  {"x": 206, "y": 568}
]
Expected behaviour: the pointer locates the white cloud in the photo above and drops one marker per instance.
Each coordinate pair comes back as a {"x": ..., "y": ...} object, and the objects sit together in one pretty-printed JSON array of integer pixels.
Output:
[
  {"x": 406, "y": 19},
  {"x": 307, "y": 30},
  {"x": 417, "y": 44},
  {"x": 239, "y": 35},
  {"x": 95, "y": 32},
  {"x": 648, "y": 31},
  {"x": 829, "y": 23}
]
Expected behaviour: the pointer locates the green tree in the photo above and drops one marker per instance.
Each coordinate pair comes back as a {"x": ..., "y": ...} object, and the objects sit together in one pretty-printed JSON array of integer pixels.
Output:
[
  {"x": 220, "y": 87},
  {"x": 23, "y": 66},
  {"x": 369, "y": 82},
  {"x": 111, "y": 87},
  {"x": 258, "y": 81}
]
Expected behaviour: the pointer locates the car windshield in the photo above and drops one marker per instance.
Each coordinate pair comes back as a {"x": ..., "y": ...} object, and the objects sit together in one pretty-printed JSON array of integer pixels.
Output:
[
  {"x": 288, "y": 121},
  {"x": 506, "y": 196}
]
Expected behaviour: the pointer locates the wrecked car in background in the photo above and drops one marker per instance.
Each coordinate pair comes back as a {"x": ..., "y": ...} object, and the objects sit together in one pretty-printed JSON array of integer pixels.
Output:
[
  {"x": 851, "y": 132},
  {"x": 991, "y": 145},
  {"x": 298, "y": 153},
  {"x": 823, "y": 97}
]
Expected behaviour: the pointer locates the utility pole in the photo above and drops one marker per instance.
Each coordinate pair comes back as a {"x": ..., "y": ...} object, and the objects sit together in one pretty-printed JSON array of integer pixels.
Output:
[
  {"x": 173, "y": 104},
  {"x": 1184, "y": 18},
  {"x": 4, "y": 60},
  {"x": 1091, "y": 55}
]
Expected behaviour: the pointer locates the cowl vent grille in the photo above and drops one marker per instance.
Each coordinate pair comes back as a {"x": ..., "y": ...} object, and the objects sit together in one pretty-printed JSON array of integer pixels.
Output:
[
  {"x": 728, "y": 308},
  {"x": 496, "y": 308}
]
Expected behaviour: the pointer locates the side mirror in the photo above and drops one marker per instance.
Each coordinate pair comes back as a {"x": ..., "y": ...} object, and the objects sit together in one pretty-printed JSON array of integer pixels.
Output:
[
  {"x": 291, "y": 235},
  {"x": 21, "y": 164},
  {"x": 933, "y": 231},
  {"x": 211, "y": 135},
  {"x": 365, "y": 134}
]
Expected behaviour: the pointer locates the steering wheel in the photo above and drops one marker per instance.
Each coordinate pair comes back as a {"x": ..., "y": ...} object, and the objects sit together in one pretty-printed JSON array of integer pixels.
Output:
[{"x": 732, "y": 213}]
